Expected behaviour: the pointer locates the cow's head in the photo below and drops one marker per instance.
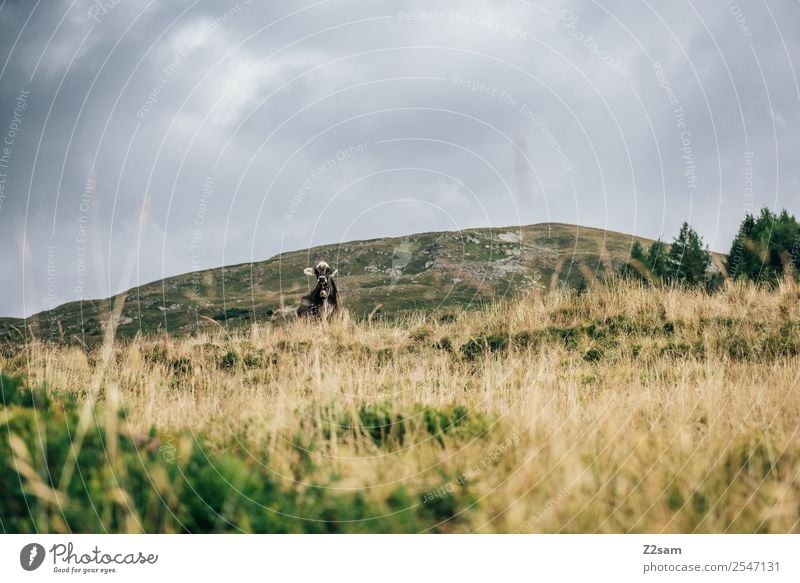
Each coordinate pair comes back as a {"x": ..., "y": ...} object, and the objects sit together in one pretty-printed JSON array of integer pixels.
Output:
[{"x": 324, "y": 274}]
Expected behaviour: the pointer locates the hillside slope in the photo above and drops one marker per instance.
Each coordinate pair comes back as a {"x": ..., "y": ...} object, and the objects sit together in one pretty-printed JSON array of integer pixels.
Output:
[{"x": 426, "y": 271}]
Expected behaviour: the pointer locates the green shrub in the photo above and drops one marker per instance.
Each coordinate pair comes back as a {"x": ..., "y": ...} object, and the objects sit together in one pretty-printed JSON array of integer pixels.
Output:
[
  {"x": 229, "y": 360},
  {"x": 594, "y": 354},
  {"x": 785, "y": 341},
  {"x": 10, "y": 389},
  {"x": 385, "y": 425},
  {"x": 568, "y": 336},
  {"x": 736, "y": 346},
  {"x": 764, "y": 346},
  {"x": 477, "y": 347},
  {"x": 232, "y": 313},
  {"x": 177, "y": 483}
]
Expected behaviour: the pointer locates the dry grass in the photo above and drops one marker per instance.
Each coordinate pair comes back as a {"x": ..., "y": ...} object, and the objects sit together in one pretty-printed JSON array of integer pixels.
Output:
[{"x": 620, "y": 410}]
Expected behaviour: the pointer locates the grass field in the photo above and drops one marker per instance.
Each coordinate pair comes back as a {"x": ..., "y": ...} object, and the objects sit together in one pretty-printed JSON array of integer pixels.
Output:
[{"x": 622, "y": 409}]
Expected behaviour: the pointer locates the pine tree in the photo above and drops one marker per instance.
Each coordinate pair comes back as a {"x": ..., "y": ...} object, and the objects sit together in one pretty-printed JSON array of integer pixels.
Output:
[
  {"x": 765, "y": 247},
  {"x": 657, "y": 261},
  {"x": 741, "y": 260},
  {"x": 688, "y": 259},
  {"x": 685, "y": 261},
  {"x": 636, "y": 267}
]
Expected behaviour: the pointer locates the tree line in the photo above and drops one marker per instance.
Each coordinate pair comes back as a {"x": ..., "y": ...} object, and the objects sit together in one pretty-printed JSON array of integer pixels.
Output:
[{"x": 765, "y": 249}]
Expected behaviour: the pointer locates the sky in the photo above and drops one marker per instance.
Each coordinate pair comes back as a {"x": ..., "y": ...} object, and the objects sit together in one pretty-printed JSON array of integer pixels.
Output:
[{"x": 143, "y": 139}]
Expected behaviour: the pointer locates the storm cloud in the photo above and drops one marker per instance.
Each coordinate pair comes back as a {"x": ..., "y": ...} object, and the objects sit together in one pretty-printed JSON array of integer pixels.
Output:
[{"x": 147, "y": 139}]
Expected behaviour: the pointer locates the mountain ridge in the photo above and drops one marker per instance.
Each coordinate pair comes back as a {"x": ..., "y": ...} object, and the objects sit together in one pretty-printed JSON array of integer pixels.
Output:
[{"x": 436, "y": 270}]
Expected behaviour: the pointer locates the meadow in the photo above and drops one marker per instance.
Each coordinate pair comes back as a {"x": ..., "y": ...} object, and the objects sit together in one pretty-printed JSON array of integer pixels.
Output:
[{"x": 620, "y": 409}]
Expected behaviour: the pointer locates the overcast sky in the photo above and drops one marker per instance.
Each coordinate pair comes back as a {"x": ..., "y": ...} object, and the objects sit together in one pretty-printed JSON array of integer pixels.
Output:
[{"x": 147, "y": 139}]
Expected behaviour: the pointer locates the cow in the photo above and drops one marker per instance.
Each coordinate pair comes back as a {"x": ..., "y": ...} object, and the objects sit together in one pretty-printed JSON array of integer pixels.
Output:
[{"x": 322, "y": 301}]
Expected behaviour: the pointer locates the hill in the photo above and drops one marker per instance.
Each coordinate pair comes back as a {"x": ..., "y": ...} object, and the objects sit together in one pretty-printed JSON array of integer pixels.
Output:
[{"x": 390, "y": 276}]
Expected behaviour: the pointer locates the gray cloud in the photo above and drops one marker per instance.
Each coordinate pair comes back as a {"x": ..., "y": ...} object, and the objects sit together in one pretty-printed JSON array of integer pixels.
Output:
[{"x": 157, "y": 138}]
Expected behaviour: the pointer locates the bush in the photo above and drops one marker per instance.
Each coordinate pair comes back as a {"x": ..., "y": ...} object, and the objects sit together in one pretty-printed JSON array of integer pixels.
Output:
[
  {"x": 481, "y": 345},
  {"x": 766, "y": 346},
  {"x": 387, "y": 426},
  {"x": 594, "y": 354},
  {"x": 232, "y": 313},
  {"x": 128, "y": 483},
  {"x": 228, "y": 360}
]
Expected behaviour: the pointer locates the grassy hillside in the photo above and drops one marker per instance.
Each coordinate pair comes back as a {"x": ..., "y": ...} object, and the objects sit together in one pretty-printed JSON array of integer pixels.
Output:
[
  {"x": 619, "y": 410},
  {"x": 428, "y": 271}
]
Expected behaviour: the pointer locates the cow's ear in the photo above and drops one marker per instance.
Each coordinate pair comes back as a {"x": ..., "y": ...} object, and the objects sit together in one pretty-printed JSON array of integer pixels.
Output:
[
  {"x": 334, "y": 273},
  {"x": 309, "y": 271}
]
